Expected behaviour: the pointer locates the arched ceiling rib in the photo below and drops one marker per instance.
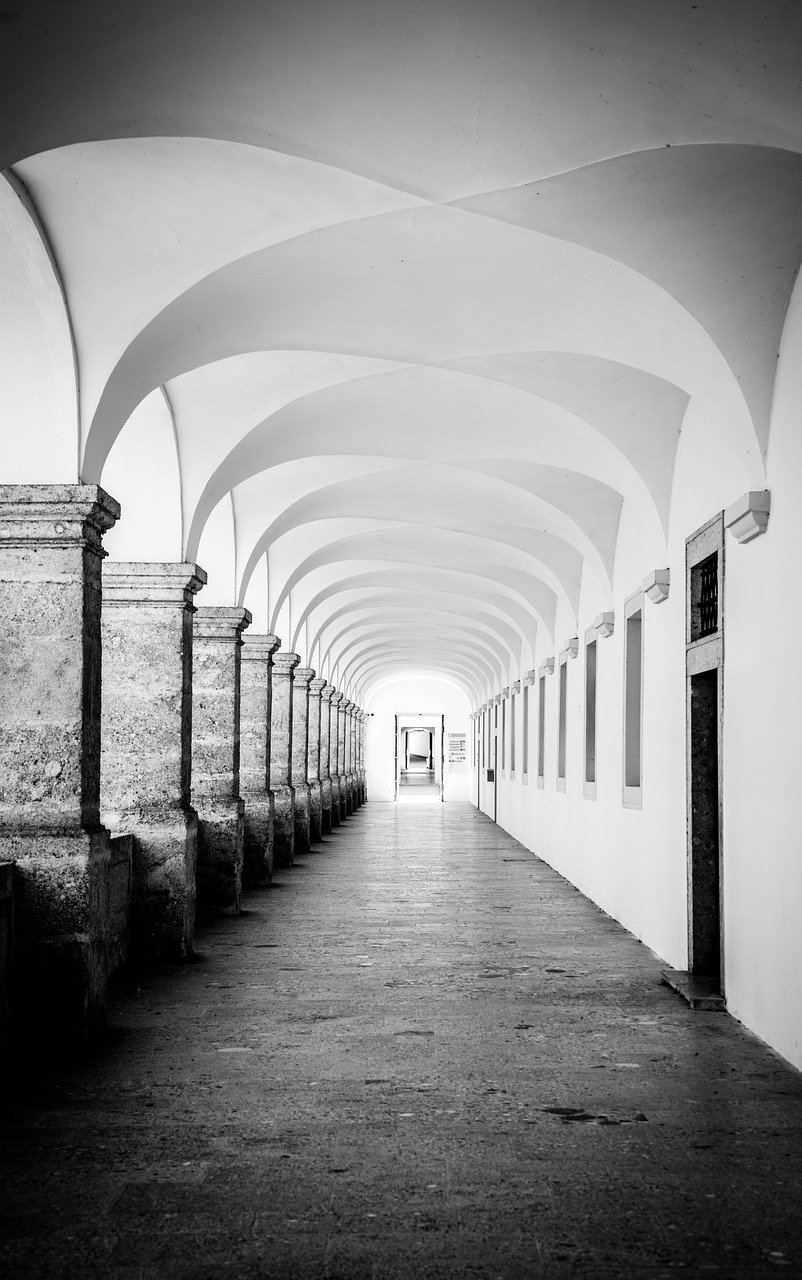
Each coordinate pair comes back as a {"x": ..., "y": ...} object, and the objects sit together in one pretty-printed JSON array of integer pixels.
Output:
[{"x": 433, "y": 291}]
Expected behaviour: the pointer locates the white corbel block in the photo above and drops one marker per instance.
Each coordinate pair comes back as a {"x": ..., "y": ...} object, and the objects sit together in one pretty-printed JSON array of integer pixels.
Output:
[
  {"x": 656, "y": 585},
  {"x": 571, "y": 649},
  {"x": 749, "y": 516},
  {"x": 604, "y": 624},
  {"x": 505, "y": 693},
  {"x": 547, "y": 668},
  {"x": 516, "y": 686},
  {"x": 531, "y": 676}
]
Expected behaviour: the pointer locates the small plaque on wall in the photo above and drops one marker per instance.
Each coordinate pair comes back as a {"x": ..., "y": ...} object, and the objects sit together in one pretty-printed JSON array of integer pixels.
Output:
[{"x": 457, "y": 748}]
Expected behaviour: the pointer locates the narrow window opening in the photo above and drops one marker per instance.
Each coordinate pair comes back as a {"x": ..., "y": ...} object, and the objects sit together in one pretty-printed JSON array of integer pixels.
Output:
[
  {"x": 704, "y": 598},
  {"x": 561, "y": 727},
  {"x": 590, "y": 718},
  {"x": 633, "y": 702},
  {"x": 504, "y": 735},
  {"x": 525, "y": 743},
  {"x": 512, "y": 734},
  {"x": 541, "y": 732}
]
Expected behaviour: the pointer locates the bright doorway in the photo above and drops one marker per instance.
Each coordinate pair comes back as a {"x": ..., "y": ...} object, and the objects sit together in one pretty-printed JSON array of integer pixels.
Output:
[{"x": 419, "y": 742}]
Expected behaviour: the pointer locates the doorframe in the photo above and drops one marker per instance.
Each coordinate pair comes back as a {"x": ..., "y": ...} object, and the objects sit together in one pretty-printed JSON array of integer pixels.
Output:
[{"x": 702, "y": 655}]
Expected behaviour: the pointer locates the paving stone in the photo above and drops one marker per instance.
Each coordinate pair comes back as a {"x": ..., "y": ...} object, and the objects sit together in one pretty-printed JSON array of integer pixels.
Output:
[{"x": 419, "y": 1053}]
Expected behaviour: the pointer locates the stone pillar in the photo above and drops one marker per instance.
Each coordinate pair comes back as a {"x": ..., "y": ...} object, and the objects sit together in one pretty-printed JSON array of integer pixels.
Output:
[
  {"x": 348, "y": 707},
  {"x": 358, "y": 718},
  {"x": 325, "y": 757},
  {"x": 363, "y": 762},
  {"x": 147, "y": 744},
  {"x": 50, "y": 661},
  {"x": 216, "y": 667},
  {"x": 337, "y": 813},
  {"x": 301, "y": 678},
  {"x": 316, "y": 687},
  {"x": 354, "y": 757},
  {"x": 342, "y": 738},
  {"x": 254, "y": 766},
  {"x": 281, "y": 759}
]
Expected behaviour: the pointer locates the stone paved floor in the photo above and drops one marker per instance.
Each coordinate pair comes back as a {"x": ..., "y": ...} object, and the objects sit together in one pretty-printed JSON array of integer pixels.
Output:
[{"x": 420, "y": 1054}]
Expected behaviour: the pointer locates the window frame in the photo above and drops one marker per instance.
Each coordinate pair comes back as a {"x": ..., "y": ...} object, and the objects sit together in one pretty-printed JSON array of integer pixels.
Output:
[{"x": 631, "y": 793}]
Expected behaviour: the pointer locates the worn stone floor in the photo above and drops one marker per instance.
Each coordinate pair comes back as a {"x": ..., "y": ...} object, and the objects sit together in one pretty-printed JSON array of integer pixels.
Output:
[{"x": 419, "y": 1054}]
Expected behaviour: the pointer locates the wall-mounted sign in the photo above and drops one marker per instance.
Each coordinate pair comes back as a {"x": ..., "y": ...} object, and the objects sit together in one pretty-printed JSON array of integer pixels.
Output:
[{"x": 457, "y": 748}]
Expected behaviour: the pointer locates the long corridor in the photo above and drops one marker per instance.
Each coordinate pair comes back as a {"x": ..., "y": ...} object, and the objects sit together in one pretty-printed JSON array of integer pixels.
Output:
[{"x": 419, "y": 1053}]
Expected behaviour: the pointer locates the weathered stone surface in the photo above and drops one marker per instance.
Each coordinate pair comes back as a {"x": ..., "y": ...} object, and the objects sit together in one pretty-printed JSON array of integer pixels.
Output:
[
  {"x": 216, "y": 755},
  {"x": 325, "y": 755},
  {"x": 346, "y": 789},
  {"x": 316, "y": 688},
  {"x": 335, "y": 755},
  {"x": 301, "y": 678},
  {"x": 255, "y": 700},
  {"x": 6, "y": 952},
  {"x": 50, "y": 601},
  {"x": 147, "y": 744},
  {"x": 281, "y": 758}
]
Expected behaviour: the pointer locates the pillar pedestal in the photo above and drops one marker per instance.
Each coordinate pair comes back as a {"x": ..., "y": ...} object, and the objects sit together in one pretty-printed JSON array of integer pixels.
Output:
[
  {"x": 301, "y": 678},
  {"x": 147, "y": 745},
  {"x": 216, "y": 755},
  {"x": 325, "y": 751},
  {"x": 316, "y": 687},
  {"x": 254, "y": 769},
  {"x": 281, "y": 759},
  {"x": 50, "y": 600}
]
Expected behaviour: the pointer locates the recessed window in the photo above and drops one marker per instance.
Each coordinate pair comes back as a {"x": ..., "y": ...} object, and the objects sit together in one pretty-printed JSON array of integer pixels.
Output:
[
  {"x": 704, "y": 598},
  {"x": 484, "y": 733},
  {"x": 561, "y": 724},
  {"x": 512, "y": 734},
  {"x": 504, "y": 735},
  {"x": 590, "y": 717},
  {"x": 541, "y": 733},
  {"x": 633, "y": 700},
  {"x": 525, "y": 744}
]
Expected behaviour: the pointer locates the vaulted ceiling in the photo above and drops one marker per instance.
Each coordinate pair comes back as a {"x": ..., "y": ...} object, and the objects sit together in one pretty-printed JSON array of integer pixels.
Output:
[{"x": 389, "y": 314}]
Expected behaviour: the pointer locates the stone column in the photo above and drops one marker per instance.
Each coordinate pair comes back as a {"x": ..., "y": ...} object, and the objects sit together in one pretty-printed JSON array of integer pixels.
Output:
[
  {"x": 363, "y": 755},
  {"x": 325, "y": 756},
  {"x": 147, "y": 744},
  {"x": 216, "y": 796},
  {"x": 50, "y": 660},
  {"x": 281, "y": 759},
  {"x": 354, "y": 757},
  {"x": 254, "y": 766},
  {"x": 337, "y": 813},
  {"x": 301, "y": 678},
  {"x": 316, "y": 687},
  {"x": 342, "y": 764},
  {"x": 360, "y": 755},
  {"x": 348, "y": 708}
]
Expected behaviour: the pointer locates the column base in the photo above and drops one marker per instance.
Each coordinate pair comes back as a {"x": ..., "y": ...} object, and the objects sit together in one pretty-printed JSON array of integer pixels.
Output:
[
  {"x": 221, "y": 832},
  {"x": 345, "y": 806},
  {"x": 315, "y": 813},
  {"x": 165, "y": 854},
  {"x": 257, "y": 849},
  {"x": 302, "y": 817},
  {"x": 71, "y": 894},
  {"x": 336, "y": 817},
  {"x": 284, "y": 826}
]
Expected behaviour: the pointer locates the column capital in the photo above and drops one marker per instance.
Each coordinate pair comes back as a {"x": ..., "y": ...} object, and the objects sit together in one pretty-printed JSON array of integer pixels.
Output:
[
  {"x": 317, "y": 685},
  {"x": 285, "y": 663},
  {"x": 327, "y": 692},
  {"x": 303, "y": 675},
  {"x": 348, "y": 705},
  {"x": 336, "y": 698},
  {"x": 56, "y": 514},
  {"x": 258, "y": 646},
  {"x": 151, "y": 582},
  {"x": 221, "y": 622}
]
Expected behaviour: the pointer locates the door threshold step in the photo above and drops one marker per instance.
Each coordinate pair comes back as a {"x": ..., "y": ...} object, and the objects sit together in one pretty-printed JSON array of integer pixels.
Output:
[{"x": 699, "y": 993}]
